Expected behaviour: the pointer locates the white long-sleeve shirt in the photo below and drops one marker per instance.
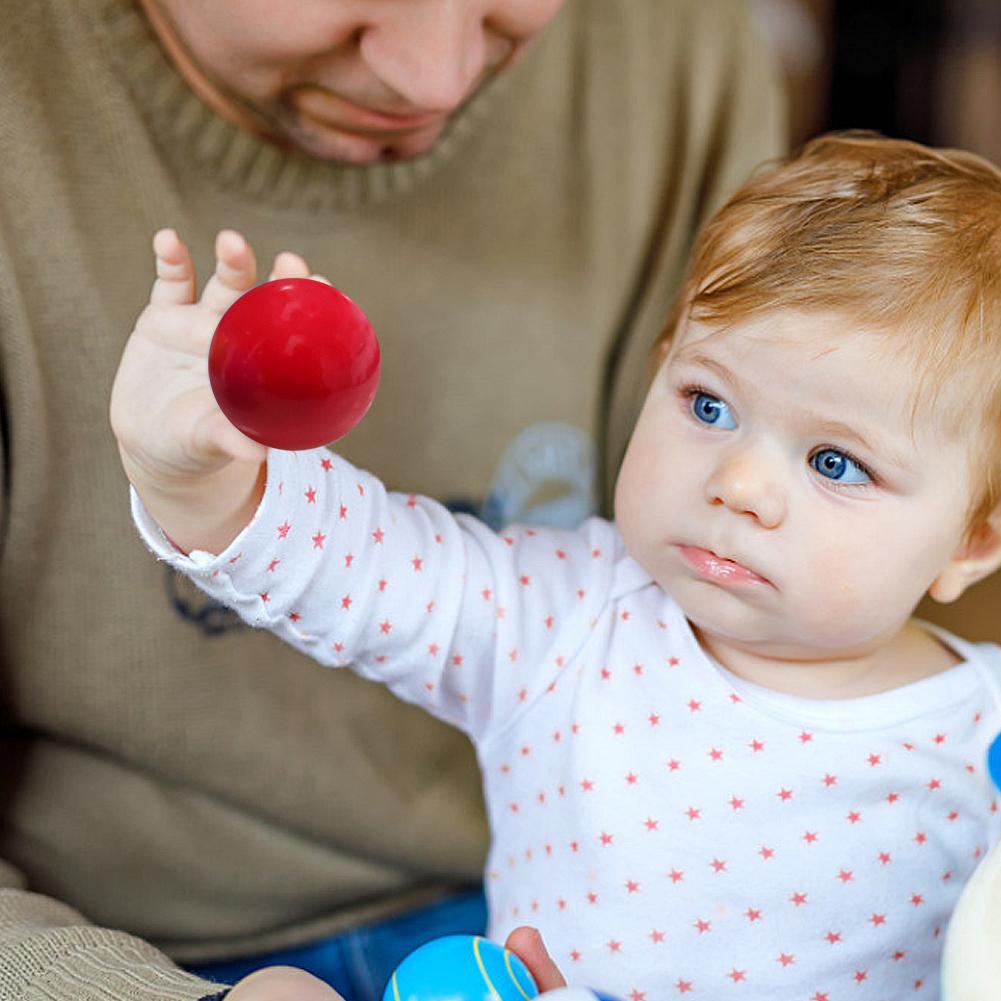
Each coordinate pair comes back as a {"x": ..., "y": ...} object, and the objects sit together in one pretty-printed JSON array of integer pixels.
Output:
[{"x": 672, "y": 830}]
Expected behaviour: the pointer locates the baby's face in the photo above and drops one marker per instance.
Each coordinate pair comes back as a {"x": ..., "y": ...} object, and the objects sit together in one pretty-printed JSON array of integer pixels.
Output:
[{"x": 777, "y": 487}]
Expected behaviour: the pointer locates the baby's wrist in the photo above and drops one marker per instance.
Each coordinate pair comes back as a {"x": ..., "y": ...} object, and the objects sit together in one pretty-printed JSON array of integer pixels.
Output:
[{"x": 206, "y": 513}]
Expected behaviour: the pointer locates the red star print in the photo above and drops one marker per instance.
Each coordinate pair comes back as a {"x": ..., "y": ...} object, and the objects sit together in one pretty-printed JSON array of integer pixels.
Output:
[
  {"x": 753, "y": 914},
  {"x": 672, "y": 661},
  {"x": 361, "y": 490},
  {"x": 830, "y": 780},
  {"x": 310, "y": 495},
  {"x": 587, "y": 785},
  {"x": 917, "y": 900},
  {"x": 636, "y": 995},
  {"x": 892, "y": 797},
  {"x": 383, "y": 584},
  {"x": 433, "y": 649},
  {"x": 798, "y": 899},
  {"x": 885, "y": 857},
  {"x": 618, "y": 729},
  {"x": 934, "y": 784},
  {"x": 784, "y": 794},
  {"x": 294, "y": 616},
  {"x": 766, "y": 853},
  {"x": 874, "y": 759},
  {"x": 318, "y": 540},
  {"x": 574, "y": 955},
  {"x": 651, "y": 824},
  {"x": 676, "y": 875},
  {"x": 524, "y": 580},
  {"x": 326, "y": 465},
  {"x": 654, "y": 719},
  {"x": 283, "y": 530},
  {"x": 715, "y": 754},
  {"x": 457, "y": 660},
  {"x": 683, "y": 986},
  {"x": 898, "y": 955},
  {"x": 606, "y": 839},
  {"x": 272, "y": 565},
  {"x": 632, "y": 779},
  {"x": 805, "y": 737},
  {"x": 674, "y": 764},
  {"x": 810, "y": 837},
  {"x": 757, "y": 745},
  {"x": 349, "y": 559},
  {"x": 614, "y": 946},
  {"x": 718, "y": 865},
  {"x": 605, "y": 674},
  {"x": 592, "y": 897},
  {"x": 385, "y": 627},
  {"x": 692, "y": 813},
  {"x": 656, "y": 936},
  {"x": 846, "y": 875},
  {"x": 265, "y": 597},
  {"x": 632, "y": 886},
  {"x": 637, "y": 669},
  {"x": 736, "y": 804},
  {"x": 694, "y": 706},
  {"x": 920, "y": 838},
  {"x": 939, "y": 738},
  {"x": 820, "y": 996},
  {"x": 877, "y": 919},
  {"x": 703, "y": 926},
  {"x": 418, "y": 564},
  {"x": 342, "y": 512},
  {"x": 854, "y": 817},
  {"x": 785, "y": 959},
  {"x": 378, "y": 535},
  {"x": 737, "y": 975},
  {"x": 833, "y": 937},
  {"x": 346, "y": 602}
]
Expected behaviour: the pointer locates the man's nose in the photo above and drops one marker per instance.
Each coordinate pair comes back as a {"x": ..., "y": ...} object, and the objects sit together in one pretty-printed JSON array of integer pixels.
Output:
[
  {"x": 748, "y": 482},
  {"x": 430, "y": 52}
]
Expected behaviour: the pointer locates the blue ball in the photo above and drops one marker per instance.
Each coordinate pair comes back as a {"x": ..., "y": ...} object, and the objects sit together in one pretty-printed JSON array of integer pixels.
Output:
[
  {"x": 461, "y": 968},
  {"x": 994, "y": 761}
]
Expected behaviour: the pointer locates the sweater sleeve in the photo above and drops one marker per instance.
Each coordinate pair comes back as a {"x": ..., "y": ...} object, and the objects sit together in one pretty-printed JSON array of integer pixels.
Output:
[
  {"x": 49, "y": 952},
  {"x": 471, "y": 625}
]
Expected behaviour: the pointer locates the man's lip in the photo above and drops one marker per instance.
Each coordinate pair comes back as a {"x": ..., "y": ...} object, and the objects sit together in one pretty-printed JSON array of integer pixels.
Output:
[
  {"x": 337, "y": 112},
  {"x": 723, "y": 569}
]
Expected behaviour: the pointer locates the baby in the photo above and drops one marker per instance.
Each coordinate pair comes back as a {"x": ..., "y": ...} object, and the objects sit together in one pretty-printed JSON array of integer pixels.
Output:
[{"x": 720, "y": 757}]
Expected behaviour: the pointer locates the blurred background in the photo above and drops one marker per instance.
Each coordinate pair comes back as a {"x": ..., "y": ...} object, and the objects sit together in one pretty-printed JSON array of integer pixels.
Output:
[
  {"x": 919, "y": 69},
  {"x": 928, "y": 70}
]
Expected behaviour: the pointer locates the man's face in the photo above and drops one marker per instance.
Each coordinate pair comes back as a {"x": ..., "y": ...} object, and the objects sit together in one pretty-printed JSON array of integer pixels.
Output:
[
  {"x": 777, "y": 487},
  {"x": 358, "y": 81}
]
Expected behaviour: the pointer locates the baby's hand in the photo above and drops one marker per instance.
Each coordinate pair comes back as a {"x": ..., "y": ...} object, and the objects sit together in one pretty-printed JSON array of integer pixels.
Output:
[{"x": 198, "y": 476}]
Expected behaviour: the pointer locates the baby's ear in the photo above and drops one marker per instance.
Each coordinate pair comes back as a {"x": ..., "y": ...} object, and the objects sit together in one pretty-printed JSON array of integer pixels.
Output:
[{"x": 978, "y": 557}]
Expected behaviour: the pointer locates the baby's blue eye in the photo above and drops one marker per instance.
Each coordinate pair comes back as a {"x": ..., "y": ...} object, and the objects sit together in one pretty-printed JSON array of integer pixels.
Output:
[
  {"x": 836, "y": 465},
  {"x": 712, "y": 410}
]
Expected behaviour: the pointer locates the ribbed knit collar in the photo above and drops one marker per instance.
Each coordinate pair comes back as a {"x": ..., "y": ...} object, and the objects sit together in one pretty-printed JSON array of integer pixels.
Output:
[{"x": 240, "y": 162}]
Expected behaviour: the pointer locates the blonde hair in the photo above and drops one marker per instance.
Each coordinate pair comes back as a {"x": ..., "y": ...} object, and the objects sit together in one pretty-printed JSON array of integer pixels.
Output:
[{"x": 899, "y": 236}]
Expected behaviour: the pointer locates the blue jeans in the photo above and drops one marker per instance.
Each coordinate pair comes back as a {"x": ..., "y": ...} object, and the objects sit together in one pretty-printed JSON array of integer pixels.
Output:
[{"x": 358, "y": 963}]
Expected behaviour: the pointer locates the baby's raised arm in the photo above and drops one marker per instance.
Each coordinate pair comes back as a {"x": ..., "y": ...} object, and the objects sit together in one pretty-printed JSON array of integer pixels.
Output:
[{"x": 198, "y": 476}]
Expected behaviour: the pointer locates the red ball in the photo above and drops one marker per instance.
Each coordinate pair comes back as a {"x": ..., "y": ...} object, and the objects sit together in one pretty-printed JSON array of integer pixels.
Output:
[{"x": 294, "y": 363}]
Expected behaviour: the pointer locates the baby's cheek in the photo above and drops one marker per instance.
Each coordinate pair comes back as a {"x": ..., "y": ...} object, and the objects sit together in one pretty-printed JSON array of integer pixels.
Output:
[{"x": 843, "y": 591}]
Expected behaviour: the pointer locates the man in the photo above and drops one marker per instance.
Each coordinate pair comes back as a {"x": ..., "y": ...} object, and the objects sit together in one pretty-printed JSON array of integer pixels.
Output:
[{"x": 509, "y": 189}]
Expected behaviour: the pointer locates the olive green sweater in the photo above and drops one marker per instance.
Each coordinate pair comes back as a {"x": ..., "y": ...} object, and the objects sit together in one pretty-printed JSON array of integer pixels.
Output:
[{"x": 165, "y": 774}]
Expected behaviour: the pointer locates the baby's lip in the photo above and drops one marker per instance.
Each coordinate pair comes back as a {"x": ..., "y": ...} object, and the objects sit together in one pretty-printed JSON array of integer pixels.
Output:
[{"x": 719, "y": 566}]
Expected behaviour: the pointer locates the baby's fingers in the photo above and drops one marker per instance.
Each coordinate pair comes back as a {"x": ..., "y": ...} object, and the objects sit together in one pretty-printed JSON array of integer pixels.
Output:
[
  {"x": 288, "y": 265},
  {"x": 175, "y": 274},
  {"x": 235, "y": 272}
]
